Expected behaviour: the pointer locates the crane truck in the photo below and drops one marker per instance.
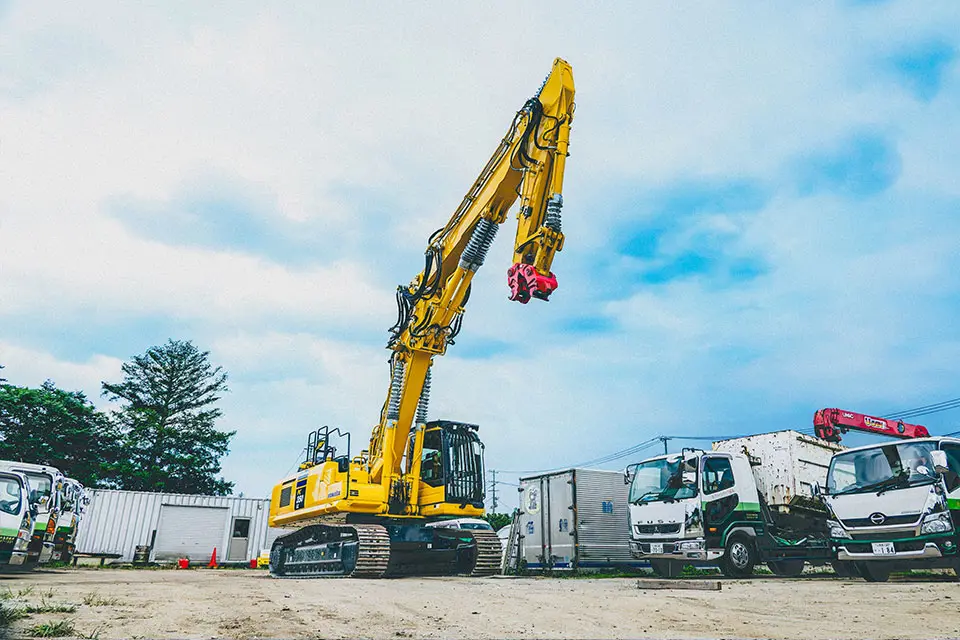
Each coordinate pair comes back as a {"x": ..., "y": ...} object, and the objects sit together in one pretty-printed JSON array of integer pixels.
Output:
[
  {"x": 895, "y": 505},
  {"x": 366, "y": 515},
  {"x": 747, "y": 501},
  {"x": 46, "y": 493}
]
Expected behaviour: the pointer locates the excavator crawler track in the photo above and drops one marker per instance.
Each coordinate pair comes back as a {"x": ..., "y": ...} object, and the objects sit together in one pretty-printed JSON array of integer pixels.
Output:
[
  {"x": 488, "y": 553},
  {"x": 366, "y": 551},
  {"x": 332, "y": 551}
]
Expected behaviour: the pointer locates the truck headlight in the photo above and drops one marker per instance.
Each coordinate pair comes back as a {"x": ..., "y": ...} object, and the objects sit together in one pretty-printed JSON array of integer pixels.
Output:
[
  {"x": 936, "y": 523},
  {"x": 690, "y": 545},
  {"x": 836, "y": 531}
]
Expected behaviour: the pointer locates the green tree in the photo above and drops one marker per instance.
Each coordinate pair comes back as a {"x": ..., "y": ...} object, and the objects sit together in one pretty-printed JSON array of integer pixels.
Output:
[
  {"x": 167, "y": 419},
  {"x": 498, "y": 520},
  {"x": 60, "y": 428}
]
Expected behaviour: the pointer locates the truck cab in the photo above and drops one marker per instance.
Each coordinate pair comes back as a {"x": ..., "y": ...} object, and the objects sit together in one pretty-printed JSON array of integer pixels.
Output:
[
  {"x": 16, "y": 518},
  {"x": 694, "y": 508},
  {"x": 46, "y": 495},
  {"x": 895, "y": 506}
]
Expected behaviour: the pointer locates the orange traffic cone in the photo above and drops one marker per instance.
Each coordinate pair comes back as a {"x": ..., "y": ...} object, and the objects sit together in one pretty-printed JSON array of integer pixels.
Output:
[{"x": 213, "y": 560}]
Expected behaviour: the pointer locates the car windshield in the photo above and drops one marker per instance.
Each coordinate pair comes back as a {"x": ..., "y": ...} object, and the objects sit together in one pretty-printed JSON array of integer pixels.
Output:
[
  {"x": 905, "y": 464},
  {"x": 661, "y": 479},
  {"x": 11, "y": 493},
  {"x": 475, "y": 525}
]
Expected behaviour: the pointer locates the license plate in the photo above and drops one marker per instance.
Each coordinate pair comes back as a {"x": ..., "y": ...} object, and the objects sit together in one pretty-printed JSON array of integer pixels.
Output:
[
  {"x": 656, "y": 547},
  {"x": 883, "y": 549}
]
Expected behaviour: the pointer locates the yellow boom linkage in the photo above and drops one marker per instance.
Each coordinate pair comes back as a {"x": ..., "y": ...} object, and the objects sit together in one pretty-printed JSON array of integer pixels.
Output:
[{"x": 366, "y": 515}]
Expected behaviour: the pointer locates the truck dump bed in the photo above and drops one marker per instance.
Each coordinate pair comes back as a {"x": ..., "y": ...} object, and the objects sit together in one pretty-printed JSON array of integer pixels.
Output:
[{"x": 786, "y": 465}]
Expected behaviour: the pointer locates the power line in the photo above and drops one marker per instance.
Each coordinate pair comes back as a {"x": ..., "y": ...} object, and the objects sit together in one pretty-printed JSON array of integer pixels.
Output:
[{"x": 916, "y": 412}]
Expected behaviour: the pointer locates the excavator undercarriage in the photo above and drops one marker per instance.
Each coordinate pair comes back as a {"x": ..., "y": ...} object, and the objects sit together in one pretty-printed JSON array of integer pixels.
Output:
[{"x": 384, "y": 551}]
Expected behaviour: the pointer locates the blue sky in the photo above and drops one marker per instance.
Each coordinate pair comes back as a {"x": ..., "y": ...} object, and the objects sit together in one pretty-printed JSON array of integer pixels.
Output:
[{"x": 760, "y": 209}]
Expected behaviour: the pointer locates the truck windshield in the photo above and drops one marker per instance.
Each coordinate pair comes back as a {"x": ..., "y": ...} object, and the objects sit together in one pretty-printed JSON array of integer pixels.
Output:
[
  {"x": 40, "y": 485},
  {"x": 661, "y": 480},
  {"x": 11, "y": 493},
  {"x": 906, "y": 464}
]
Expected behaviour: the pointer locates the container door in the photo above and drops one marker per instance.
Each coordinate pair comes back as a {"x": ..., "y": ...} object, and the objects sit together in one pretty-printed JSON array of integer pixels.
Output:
[
  {"x": 532, "y": 540},
  {"x": 559, "y": 524},
  {"x": 238, "y": 540}
]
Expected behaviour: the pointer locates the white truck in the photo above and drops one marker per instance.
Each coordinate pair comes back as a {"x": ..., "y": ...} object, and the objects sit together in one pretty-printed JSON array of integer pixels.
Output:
[
  {"x": 895, "y": 506},
  {"x": 75, "y": 501},
  {"x": 46, "y": 494},
  {"x": 16, "y": 518},
  {"x": 750, "y": 500}
]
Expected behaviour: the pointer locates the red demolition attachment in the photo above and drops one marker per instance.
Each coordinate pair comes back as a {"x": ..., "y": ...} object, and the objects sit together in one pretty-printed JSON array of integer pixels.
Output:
[{"x": 524, "y": 281}]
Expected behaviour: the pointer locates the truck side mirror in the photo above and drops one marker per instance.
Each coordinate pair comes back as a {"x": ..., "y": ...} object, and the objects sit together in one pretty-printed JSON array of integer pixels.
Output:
[
  {"x": 816, "y": 490},
  {"x": 939, "y": 459},
  {"x": 628, "y": 475}
]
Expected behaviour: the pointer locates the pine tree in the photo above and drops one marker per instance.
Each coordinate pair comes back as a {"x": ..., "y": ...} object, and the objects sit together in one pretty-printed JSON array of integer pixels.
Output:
[{"x": 167, "y": 421}]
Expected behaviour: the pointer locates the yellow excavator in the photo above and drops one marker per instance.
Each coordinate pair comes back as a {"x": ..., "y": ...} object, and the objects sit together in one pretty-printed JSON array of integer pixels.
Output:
[{"x": 370, "y": 515}]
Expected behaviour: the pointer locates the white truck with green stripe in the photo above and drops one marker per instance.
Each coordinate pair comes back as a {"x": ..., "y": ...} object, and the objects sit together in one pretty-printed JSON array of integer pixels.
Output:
[
  {"x": 16, "y": 518},
  {"x": 75, "y": 501},
  {"x": 46, "y": 494},
  {"x": 895, "y": 506},
  {"x": 748, "y": 501}
]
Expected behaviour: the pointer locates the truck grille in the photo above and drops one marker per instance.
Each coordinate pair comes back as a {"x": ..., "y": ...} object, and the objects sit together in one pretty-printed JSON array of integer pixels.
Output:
[
  {"x": 890, "y": 520},
  {"x": 878, "y": 536},
  {"x": 657, "y": 528}
]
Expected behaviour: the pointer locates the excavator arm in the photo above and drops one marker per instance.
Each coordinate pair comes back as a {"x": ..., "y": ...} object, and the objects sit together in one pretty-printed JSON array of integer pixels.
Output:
[
  {"x": 528, "y": 165},
  {"x": 830, "y": 423}
]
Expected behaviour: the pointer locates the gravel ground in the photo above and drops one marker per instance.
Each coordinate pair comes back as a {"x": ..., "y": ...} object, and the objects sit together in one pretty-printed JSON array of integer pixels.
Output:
[{"x": 118, "y": 603}]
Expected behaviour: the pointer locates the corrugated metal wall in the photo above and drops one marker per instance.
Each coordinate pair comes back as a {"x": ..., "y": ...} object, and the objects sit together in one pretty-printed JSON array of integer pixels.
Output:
[{"x": 118, "y": 521}]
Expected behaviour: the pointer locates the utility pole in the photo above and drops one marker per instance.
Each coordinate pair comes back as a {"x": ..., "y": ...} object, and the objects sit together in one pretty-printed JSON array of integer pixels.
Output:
[
  {"x": 493, "y": 490},
  {"x": 664, "y": 439}
]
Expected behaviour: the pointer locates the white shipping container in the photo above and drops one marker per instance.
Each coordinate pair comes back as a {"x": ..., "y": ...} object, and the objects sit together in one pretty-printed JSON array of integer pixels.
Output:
[
  {"x": 575, "y": 520},
  {"x": 786, "y": 464}
]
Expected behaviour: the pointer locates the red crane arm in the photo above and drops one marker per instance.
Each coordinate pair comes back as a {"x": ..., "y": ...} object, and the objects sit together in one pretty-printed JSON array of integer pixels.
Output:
[{"x": 830, "y": 423}]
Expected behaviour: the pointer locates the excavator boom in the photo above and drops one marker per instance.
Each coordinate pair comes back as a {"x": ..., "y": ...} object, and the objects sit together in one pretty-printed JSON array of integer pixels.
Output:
[{"x": 830, "y": 423}]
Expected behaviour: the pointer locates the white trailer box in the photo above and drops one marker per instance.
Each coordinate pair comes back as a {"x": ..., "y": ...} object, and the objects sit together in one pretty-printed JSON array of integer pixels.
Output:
[
  {"x": 786, "y": 465},
  {"x": 575, "y": 520}
]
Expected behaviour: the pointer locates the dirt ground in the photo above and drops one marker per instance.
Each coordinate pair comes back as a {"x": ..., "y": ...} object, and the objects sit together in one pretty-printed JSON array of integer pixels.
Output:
[{"x": 118, "y": 603}]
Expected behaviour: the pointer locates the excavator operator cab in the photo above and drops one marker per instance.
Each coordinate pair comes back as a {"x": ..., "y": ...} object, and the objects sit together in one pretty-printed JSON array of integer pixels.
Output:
[{"x": 452, "y": 457}]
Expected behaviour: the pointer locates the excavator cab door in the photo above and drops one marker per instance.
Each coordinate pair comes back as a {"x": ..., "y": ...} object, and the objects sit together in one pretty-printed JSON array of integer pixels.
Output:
[{"x": 452, "y": 457}]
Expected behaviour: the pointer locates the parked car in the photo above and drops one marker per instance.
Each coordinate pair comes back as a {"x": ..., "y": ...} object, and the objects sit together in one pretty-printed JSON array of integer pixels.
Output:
[{"x": 462, "y": 523}]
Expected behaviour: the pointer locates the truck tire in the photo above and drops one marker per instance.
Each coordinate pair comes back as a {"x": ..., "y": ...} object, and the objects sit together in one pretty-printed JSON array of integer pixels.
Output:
[
  {"x": 739, "y": 557},
  {"x": 666, "y": 568},
  {"x": 874, "y": 571},
  {"x": 786, "y": 568},
  {"x": 845, "y": 569}
]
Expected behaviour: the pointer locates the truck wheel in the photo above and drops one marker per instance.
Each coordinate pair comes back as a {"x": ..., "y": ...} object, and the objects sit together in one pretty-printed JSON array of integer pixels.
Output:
[
  {"x": 845, "y": 569},
  {"x": 739, "y": 557},
  {"x": 666, "y": 568},
  {"x": 786, "y": 568},
  {"x": 873, "y": 571}
]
